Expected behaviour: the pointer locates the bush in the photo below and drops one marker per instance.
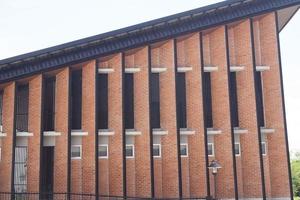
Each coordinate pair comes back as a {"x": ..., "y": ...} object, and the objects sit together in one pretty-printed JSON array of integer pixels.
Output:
[{"x": 296, "y": 175}]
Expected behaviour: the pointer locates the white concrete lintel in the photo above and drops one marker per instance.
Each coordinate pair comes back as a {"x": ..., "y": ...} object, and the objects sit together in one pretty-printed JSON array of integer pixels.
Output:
[
  {"x": 265, "y": 130},
  {"x": 132, "y": 70},
  {"x": 133, "y": 132},
  {"x": 79, "y": 133},
  {"x": 3, "y": 135},
  {"x": 187, "y": 131},
  {"x": 261, "y": 68},
  {"x": 238, "y": 130},
  {"x": 51, "y": 134},
  {"x": 210, "y": 68},
  {"x": 158, "y": 69},
  {"x": 159, "y": 131},
  {"x": 184, "y": 69},
  {"x": 213, "y": 131},
  {"x": 105, "y": 70},
  {"x": 237, "y": 68},
  {"x": 24, "y": 134},
  {"x": 105, "y": 132}
]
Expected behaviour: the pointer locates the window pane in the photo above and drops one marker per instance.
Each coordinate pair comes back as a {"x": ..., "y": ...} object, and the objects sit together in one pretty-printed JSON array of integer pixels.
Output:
[
  {"x": 181, "y": 100},
  {"x": 207, "y": 100},
  {"x": 210, "y": 149},
  {"x": 183, "y": 150},
  {"x": 103, "y": 151},
  {"x": 22, "y": 101},
  {"x": 75, "y": 152},
  {"x": 129, "y": 101},
  {"x": 155, "y": 104},
  {"x": 263, "y": 148},
  {"x": 156, "y": 150},
  {"x": 234, "y": 100},
  {"x": 76, "y": 99},
  {"x": 129, "y": 151},
  {"x": 237, "y": 149},
  {"x": 103, "y": 101}
]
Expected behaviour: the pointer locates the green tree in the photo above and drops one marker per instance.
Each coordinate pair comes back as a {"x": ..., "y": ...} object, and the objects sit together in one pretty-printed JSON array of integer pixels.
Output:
[{"x": 296, "y": 174}]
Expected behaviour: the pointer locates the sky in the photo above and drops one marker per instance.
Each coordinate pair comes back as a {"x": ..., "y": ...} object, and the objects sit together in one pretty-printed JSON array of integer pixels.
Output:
[{"x": 30, "y": 25}]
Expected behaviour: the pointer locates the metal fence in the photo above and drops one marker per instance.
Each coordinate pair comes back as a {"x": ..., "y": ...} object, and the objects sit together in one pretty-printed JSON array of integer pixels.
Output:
[{"x": 66, "y": 196}]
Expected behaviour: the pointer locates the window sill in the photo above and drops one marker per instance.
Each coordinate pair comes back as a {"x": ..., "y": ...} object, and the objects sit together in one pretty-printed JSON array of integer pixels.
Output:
[
  {"x": 237, "y": 68},
  {"x": 158, "y": 69},
  {"x": 24, "y": 134},
  {"x": 238, "y": 130},
  {"x": 105, "y": 132},
  {"x": 187, "y": 131},
  {"x": 210, "y": 68},
  {"x": 265, "y": 130},
  {"x": 79, "y": 133},
  {"x": 261, "y": 68},
  {"x": 213, "y": 131},
  {"x": 51, "y": 134},
  {"x": 159, "y": 131},
  {"x": 184, "y": 69},
  {"x": 3, "y": 134},
  {"x": 132, "y": 132},
  {"x": 105, "y": 70},
  {"x": 132, "y": 70}
]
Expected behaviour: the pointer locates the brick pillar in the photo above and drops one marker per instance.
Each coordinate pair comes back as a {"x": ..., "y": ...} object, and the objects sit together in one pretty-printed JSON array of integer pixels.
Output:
[
  {"x": 168, "y": 121},
  {"x": 141, "y": 112},
  {"x": 7, "y": 142},
  {"x": 276, "y": 153},
  {"x": 221, "y": 113},
  {"x": 115, "y": 123},
  {"x": 61, "y": 125},
  {"x": 88, "y": 125},
  {"x": 250, "y": 160},
  {"x": 195, "y": 120},
  {"x": 34, "y": 126}
]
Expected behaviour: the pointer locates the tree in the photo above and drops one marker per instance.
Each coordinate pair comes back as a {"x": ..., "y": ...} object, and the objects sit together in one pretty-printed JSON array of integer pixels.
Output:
[{"x": 296, "y": 174}]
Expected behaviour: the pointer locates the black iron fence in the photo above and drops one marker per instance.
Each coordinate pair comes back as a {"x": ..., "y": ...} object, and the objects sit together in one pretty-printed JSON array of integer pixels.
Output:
[{"x": 66, "y": 196}]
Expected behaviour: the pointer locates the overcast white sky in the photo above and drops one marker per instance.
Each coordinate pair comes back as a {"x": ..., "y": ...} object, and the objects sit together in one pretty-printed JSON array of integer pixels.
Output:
[{"x": 36, "y": 24}]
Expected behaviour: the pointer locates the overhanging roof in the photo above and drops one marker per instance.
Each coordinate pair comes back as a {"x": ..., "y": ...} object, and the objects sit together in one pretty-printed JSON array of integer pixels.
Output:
[{"x": 141, "y": 34}]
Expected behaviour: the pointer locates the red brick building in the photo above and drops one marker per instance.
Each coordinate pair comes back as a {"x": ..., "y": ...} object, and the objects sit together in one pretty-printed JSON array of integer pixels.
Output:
[{"x": 142, "y": 111}]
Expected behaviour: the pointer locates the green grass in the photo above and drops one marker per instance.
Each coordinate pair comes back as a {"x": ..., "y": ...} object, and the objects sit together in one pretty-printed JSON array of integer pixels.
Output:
[{"x": 296, "y": 198}]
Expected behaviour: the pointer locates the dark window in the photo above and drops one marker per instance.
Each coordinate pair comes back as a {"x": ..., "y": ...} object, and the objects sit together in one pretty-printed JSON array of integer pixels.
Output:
[
  {"x": 234, "y": 100},
  {"x": 76, "y": 99},
  {"x": 207, "y": 100},
  {"x": 129, "y": 101},
  {"x": 1, "y": 109},
  {"x": 22, "y": 102},
  {"x": 155, "y": 105},
  {"x": 49, "y": 104},
  {"x": 181, "y": 100},
  {"x": 102, "y": 101},
  {"x": 259, "y": 100}
]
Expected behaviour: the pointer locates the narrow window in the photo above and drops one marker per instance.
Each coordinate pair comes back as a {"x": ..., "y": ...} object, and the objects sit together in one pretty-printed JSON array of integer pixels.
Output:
[
  {"x": 103, "y": 101},
  {"x": 264, "y": 148},
  {"x": 181, "y": 100},
  {"x": 210, "y": 149},
  {"x": 103, "y": 151},
  {"x": 259, "y": 99},
  {"x": 156, "y": 150},
  {"x": 234, "y": 100},
  {"x": 129, "y": 151},
  {"x": 49, "y": 104},
  {"x": 22, "y": 101},
  {"x": 1, "y": 111},
  {"x": 76, "y": 151},
  {"x": 129, "y": 101},
  {"x": 207, "y": 100},
  {"x": 155, "y": 103},
  {"x": 0, "y": 154},
  {"x": 237, "y": 149},
  {"x": 76, "y": 99},
  {"x": 184, "y": 150}
]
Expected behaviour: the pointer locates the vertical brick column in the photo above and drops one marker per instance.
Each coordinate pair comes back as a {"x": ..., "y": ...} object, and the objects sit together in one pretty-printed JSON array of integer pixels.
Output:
[
  {"x": 141, "y": 112},
  {"x": 34, "y": 126},
  {"x": 115, "y": 123},
  {"x": 250, "y": 159},
  {"x": 221, "y": 113},
  {"x": 279, "y": 178},
  {"x": 88, "y": 124},
  {"x": 61, "y": 125},
  {"x": 168, "y": 121},
  {"x": 7, "y": 142}
]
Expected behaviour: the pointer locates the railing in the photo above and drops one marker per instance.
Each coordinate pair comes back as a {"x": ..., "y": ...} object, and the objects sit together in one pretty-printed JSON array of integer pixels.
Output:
[{"x": 66, "y": 196}]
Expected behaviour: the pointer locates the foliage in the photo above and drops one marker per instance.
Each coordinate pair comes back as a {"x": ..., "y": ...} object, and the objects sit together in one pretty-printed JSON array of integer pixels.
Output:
[{"x": 296, "y": 174}]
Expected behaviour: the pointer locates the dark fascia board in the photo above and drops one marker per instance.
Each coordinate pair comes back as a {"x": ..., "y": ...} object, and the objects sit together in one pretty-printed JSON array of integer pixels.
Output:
[{"x": 136, "y": 36}]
